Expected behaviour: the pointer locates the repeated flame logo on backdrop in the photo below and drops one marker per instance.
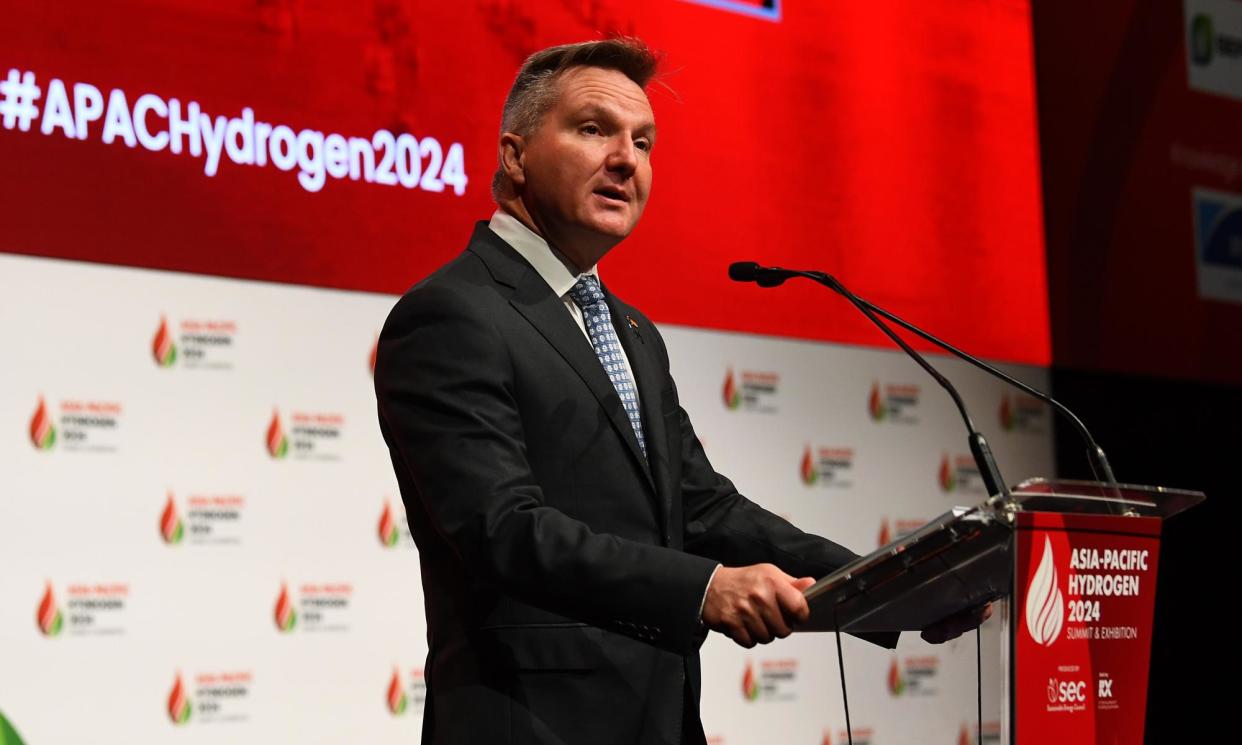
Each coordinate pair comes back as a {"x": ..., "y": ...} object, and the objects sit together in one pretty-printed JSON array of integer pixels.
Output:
[
  {"x": 750, "y": 686},
  {"x": 162, "y": 346},
  {"x": 827, "y": 738},
  {"x": 42, "y": 432},
  {"x": 1045, "y": 606},
  {"x": 171, "y": 528},
  {"x": 947, "y": 478},
  {"x": 963, "y": 736},
  {"x": 1007, "y": 420},
  {"x": 8, "y": 735},
  {"x": 374, "y": 352},
  {"x": 875, "y": 403},
  {"x": 810, "y": 474},
  {"x": 896, "y": 683},
  {"x": 49, "y": 617},
  {"x": 286, "y": 616},
  {"x": 396, "y": 695},
  {"x": 277, "y": 443},
  {"x": 178, "y": 703},
  {"x": 886, "y": 535},
  {"x": 732, "y": 398},
  {"x": 387, "y": 527}
]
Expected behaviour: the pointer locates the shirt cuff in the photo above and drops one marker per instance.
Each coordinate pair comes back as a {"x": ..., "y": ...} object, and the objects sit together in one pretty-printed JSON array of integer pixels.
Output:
[{"x": 703, "y": 602}]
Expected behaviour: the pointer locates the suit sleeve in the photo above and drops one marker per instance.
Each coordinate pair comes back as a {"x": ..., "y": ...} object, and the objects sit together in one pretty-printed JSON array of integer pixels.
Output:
[
  {"x": 725, "y": 526},
  {"x": 447, "y": 406}
]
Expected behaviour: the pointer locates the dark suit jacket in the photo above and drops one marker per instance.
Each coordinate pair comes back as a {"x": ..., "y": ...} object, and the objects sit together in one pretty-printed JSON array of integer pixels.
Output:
[{"x": 562, "y": 570}]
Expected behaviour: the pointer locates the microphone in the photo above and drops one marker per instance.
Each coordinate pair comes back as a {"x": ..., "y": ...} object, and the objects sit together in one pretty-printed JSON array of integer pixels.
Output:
[{"x": 747, "y": 271}]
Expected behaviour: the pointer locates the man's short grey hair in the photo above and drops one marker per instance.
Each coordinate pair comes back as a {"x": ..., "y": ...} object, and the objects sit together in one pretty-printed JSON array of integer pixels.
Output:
[{"x": 535, "y": 89}]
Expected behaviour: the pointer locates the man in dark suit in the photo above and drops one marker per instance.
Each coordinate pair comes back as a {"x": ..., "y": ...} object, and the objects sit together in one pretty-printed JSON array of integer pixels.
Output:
[{"x": 575, "y": 542}]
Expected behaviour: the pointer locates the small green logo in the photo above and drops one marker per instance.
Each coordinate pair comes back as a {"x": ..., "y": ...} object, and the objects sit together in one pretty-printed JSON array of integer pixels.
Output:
[
  {"x": 8, "y": 735},
  {"x": 1201, "y": 39}
]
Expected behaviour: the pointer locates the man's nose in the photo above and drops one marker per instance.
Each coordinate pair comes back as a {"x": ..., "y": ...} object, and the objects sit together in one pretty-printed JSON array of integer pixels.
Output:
[{"x": 622, "y": 156}]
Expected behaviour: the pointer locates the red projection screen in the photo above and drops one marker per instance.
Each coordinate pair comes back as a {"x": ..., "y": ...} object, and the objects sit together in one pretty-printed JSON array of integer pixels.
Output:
[{"x": 351, "y": 145}]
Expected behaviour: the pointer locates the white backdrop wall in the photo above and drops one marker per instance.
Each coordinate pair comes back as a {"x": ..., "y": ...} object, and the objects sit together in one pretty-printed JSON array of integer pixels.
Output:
[{"x": 278, "y": 599}]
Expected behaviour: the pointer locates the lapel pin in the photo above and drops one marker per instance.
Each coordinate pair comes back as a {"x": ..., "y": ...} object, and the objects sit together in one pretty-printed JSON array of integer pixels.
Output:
[{"x": 634, "y": 327}]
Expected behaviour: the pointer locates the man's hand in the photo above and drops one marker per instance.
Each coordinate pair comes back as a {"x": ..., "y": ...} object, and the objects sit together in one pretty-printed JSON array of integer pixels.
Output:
[
  {"x": 956, "y": 624},
  {"x": 755, "y": 604}
]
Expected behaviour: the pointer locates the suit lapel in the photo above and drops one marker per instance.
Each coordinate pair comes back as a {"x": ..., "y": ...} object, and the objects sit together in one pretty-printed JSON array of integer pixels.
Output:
[{"x": 546, "y": 312}]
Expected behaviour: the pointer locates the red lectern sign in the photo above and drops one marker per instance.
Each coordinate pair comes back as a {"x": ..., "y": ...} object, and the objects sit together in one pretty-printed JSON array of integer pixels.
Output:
[{"x": 1086, "y": 589}]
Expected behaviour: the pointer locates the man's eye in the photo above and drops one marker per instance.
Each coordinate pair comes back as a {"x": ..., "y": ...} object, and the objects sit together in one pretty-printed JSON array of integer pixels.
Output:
[
  {"x": 642, "y": 145},
  {"x": 590, "y": 129}
]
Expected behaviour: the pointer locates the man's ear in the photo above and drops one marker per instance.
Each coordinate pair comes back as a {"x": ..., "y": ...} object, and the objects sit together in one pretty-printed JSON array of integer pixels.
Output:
[{"x": 513, "y": 157}]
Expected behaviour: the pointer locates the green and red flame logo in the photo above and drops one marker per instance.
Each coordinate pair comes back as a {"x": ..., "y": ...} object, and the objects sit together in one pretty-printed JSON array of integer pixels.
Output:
[
  {"x": 162, "y": 346},
  {"x": 732, "y": 399},
  {"x": 947, "y": 478},
  {"x": 875, "y": 403},
  {"x": 1006, "y": 414},
  {"x": 387, "y": 527},
  {"x": 171, "y": 528},
  {"x": 750, "y": 686},
  {"x": 810, "y": 474},
  {"x": 42, "y": 433},
  {"x": 896, "y": 683},
  {"x": 277, "y": 443},
  {"x": 396, "y": 694},
  {"x": 178, "y": 703},
  {"x": 51, "y": 620},
  {"x": 8, "y": 735},
  {"x": 286, "y": 616}
]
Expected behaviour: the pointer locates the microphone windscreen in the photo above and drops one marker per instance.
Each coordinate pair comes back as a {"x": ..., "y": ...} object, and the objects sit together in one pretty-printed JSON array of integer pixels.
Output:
[{"x": 743, "y": 271}]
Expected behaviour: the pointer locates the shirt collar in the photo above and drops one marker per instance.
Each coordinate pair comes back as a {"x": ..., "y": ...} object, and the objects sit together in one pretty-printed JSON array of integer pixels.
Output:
[{"x": 546, "y": 261}]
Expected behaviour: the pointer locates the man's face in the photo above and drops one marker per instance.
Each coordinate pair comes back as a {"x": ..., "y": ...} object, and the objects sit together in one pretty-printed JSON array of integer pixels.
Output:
[{"x": 587, "y": 166}]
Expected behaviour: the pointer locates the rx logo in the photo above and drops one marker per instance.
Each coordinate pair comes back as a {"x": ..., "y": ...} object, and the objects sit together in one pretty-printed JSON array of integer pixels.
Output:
[{"x": 1105, "y": 688}]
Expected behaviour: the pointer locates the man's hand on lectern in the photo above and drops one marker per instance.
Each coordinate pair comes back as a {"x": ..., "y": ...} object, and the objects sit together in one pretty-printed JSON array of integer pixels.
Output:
[
  {"x": 956, "y": 624},
  {"x": 755, "y": 604}
]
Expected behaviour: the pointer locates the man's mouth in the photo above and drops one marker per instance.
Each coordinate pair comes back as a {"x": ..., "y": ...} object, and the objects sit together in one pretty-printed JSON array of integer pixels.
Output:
[{"x": 614, "y": 193}]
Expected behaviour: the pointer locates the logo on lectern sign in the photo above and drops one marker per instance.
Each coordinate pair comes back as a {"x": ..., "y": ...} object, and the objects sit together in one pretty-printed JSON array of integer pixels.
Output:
[{"x": 1045, "y": 605}]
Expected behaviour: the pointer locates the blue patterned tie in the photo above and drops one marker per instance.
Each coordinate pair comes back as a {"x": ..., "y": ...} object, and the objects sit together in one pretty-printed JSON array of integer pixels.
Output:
[{"x": 588, "y": 296}]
